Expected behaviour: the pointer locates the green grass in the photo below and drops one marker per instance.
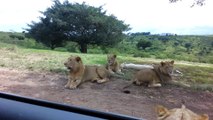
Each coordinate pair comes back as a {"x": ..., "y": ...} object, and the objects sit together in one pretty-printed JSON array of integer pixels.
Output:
[
  {"x": 198, "y": 75},
  {"x": 36, "y": 59}
]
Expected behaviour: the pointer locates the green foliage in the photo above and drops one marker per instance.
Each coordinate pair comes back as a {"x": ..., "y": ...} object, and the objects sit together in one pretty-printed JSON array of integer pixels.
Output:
[
  {"x": 27, "y": 42},
  {"x": 141, "y": 54},
  {"x": 200, "y": 49},
  {"x": 46, "y": 32},
  {"x": 176, "y": 43},
  {"x": 19, "y": 37},
  {"x": 188, "y": 46},
  {"x": 30, "y": 43},
  {"x": 79, "y": 23},
  {"x": 61, "y": 49},
  {"x": 164, "y": 39},
  {"x": 143, "y": 44},
  {"x": 71, "y": 46}
]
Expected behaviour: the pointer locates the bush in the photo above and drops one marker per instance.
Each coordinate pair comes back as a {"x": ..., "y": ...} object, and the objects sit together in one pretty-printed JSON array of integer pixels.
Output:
[
  {"x": 141, "y": 54},
  {"x": 161, "y": 56},
  {"x": 19, "y": 37},
  {"x": 61, "y": 49},
  {"x": 107, "y": 50},
  {"x": 126, "y": 48},
  {"x": 95, "y": 50},
  {"x": 143, "y": 44},
  {"x": 31, "y": 43},
  {"x": 72, "y": 46}
]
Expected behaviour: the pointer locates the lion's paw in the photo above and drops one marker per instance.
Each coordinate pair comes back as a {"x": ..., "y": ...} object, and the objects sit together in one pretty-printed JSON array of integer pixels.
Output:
[{"x": 72, "y": 87}]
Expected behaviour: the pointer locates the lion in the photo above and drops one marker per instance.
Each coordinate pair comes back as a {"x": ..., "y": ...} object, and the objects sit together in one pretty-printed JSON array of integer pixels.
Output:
[
  {"x": 178, "y": 114},
  {"x": 154, "y": 77},
  {"x": 112, "y": 64},
  {"x": 79, "y": 73}
]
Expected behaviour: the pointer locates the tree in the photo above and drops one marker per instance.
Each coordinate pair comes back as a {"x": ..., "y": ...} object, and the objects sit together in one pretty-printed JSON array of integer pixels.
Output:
[
  {"x": 188, "y": 46},
  {"x": 176, "y": 43},
  {"x": 79, "y": 23},
  {"x": 196, "y": 2},
  {"x": 143, "y": 44},
  {"x": 47, "y": 33},
  {"x": 164, "y": 39}
]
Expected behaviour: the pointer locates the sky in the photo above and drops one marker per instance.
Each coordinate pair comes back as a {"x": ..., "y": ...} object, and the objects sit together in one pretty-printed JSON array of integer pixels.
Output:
[{"x": 155, "y": 16}]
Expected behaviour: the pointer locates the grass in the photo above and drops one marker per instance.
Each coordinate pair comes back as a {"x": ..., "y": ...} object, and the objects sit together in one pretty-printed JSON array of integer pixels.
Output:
[
  {"x": 36, "y": 59},
  {"x": 199, "y": 75}
]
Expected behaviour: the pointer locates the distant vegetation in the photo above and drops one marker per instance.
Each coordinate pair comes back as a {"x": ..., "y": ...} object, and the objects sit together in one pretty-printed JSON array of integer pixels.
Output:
[
  {"x": 187, "y": 48},
  {"x": 82, "y": 28}
]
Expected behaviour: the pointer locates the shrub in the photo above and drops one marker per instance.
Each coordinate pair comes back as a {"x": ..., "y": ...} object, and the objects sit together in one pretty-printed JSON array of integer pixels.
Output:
[
  {"x": 95, "y": 50},
  {"x": 71, "y": 46},
  {"x": 19, "y": 37},
  {"x": 61, "y": 49},
  {"x": 31, "y": 43},
  {"x": 141, "y": 54},
  {"x": 161, "y": 56},
  {"x": 143, "y": 44}
]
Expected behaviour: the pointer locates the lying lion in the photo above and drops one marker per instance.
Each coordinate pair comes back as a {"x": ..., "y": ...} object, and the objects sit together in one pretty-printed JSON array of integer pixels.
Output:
[
  {"x": 112, "y": 64},
  {"x": 154, "y": 77},
  {"x": 79, "y": 73},
  {"x": 178, "y": 114}
]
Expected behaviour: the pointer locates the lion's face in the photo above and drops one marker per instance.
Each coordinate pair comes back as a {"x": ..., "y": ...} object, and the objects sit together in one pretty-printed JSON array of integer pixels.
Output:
[
  {"x": 73, "y": 63},
  {"x": 167, "y": 67},
  {"x": 111, "y": 59}
]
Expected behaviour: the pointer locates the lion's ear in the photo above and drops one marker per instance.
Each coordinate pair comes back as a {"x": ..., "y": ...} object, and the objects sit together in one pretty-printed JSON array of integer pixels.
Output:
[
  {"x": 162, "y": 63},
  {"x": 204, "y": 117},
  {"x": 114, "y": 56},
  {"x": 172, "y": 61},
  {"x": 78, "y": 59},
  {"x": 161, "y": 110}
]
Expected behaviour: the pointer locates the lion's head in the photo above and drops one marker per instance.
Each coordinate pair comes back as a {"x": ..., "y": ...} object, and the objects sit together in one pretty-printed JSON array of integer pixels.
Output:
[
  {"x": 166, "y": 67},
  {"x": 178, "y": 114},
  {"x": 74, "y": 63},
  {"x": 111, "y": 59}
]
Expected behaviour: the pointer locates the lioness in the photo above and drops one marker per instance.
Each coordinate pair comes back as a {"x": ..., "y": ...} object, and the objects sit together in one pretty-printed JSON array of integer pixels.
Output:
[
  {"x": 154, "y": 77},
  {"x": 178, "y": 114},
  {"x": 112, "y": 64},
  {"x": 79, "y": 73}
]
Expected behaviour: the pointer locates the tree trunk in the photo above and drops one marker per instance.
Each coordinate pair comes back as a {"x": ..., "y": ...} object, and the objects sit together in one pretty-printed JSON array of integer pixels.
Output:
[
  {"x": 83, "y": 48},
  {"x": 52, "y": 47}
]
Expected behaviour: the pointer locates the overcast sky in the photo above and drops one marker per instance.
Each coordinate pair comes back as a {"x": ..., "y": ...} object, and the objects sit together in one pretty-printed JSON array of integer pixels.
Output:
[{"x": 155, "y": 16}]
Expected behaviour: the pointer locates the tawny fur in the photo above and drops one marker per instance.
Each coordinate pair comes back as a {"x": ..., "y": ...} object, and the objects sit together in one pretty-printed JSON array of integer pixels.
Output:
[
  {"x": 79, "y": 73},
  {"x": 178, "y": 114},
  {"x": 113, "y": 65},
  {"x": 154, "y": 77}
]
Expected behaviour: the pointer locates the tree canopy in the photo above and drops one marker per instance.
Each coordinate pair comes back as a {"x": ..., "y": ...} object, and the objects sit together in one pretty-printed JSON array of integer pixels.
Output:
[
  {"x": 79, "y": 23},
  {"x": 143, "y": 44},
  {"x": 196, "y": 2}
]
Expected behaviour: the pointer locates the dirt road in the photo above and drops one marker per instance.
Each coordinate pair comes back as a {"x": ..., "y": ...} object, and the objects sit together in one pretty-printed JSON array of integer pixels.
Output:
[{"x": 140, "y": 102}]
